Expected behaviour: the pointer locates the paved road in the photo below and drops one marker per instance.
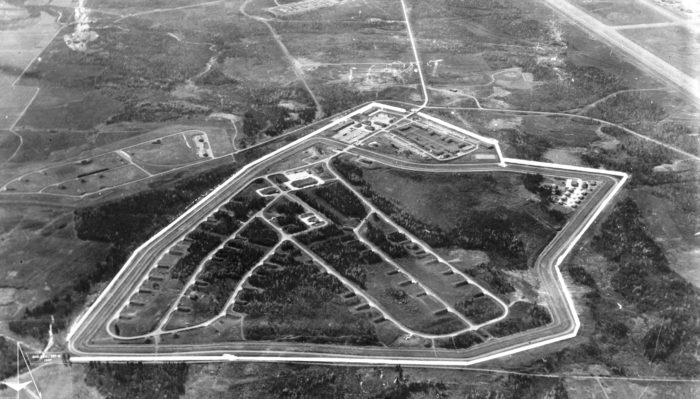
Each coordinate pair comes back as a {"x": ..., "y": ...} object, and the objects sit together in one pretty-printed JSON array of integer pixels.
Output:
[
  {"x": 83, "y": 346},
  {"x": 643, "y": 57}
]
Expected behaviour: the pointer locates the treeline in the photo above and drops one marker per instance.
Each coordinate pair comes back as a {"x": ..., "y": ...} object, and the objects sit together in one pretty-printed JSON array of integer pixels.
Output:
[
  {"x": 461, "y": 341},
  {"x": 643, "y": 277},
  {"x": 523, "y": 316},
  {"x": 202, "y": 243},
  {"x": 223, "y": 273},
  {"x": 348, "y": 256},
  {"x": 8, "y": 354},
  {"x": 636, "y": 157},
  {"x": 260, "y": 233},
  {"x": 288, "y": 218},
  {"x": 377, "y": 237},
  {"x": 496, "y": 231},
  {"x": 320, "y": 234},
  {"x": 496, "y": 279},
  {"x": 124, "y": 223},
  {"x": 645, "y": 114},
  {"x": 342, "y": 199},
  {"x": 479, "y": 310},
  {"x": 137, "y": 380},
  {"x": 311, "y": 200},
  {"x": 585, "y": 84},
  {"x": 273, "y": 120}
]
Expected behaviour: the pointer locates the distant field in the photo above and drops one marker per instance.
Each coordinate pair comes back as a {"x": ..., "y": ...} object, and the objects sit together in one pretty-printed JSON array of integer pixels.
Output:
[
  {"x": 676, "y": 45},
  {"x": 621, "y": 12},
  {"x": 41, "y": 255},
  {"x": 86, "y": 167},
  {"x": 70, "y": 109},
  {"x": 22, "y": 42},
  {"x": 13, "y": 101},
  {"x": 444, "y": 199}
]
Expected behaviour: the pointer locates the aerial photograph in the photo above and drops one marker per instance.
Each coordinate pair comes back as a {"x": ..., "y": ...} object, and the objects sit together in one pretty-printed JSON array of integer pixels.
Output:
[{"x": 377, "y": 199}]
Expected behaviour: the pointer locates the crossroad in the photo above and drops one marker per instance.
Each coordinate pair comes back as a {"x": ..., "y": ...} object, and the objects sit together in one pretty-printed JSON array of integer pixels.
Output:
[{"x": 84, "y": 345}]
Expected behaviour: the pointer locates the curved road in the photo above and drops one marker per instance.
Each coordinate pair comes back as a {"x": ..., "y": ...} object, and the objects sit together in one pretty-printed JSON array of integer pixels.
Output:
[{"x": 86, "y": 344}]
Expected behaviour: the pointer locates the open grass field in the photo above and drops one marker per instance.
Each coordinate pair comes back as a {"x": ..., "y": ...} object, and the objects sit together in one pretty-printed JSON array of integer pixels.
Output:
[
  {"x": 621, "y": 12},
  {"x": 13, "y": 101},
  {"x": 100, "y": 181},
  {"x": 22, "y": 39},
  {"x": 41, "y": 255},
  {"x": 677, "y": 45},
  {"x": 408, "y": 303},
  {"x": 37, "y": 181},
  {"x": 59, "y": 108},
  {"x": 444, "y": 199}
]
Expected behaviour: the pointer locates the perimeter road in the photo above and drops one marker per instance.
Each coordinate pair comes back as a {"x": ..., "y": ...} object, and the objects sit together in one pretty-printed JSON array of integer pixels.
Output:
[{"x": 565, "y": 321}]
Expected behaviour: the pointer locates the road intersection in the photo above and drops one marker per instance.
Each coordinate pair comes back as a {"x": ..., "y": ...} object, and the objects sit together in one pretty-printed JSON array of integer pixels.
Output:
[{"x": 565, "y": 323}]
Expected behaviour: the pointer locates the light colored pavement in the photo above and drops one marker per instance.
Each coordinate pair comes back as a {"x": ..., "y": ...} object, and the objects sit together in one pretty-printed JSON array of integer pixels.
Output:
[
  {"x": 643, "y": 57},
  {"x": 565, "y": 322}
]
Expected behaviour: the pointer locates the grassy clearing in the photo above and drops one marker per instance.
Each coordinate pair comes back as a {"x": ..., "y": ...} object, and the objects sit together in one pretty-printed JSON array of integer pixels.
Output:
[
  {"x": 471, "y": 206},
  {"x": 13, "y": 101},
  {"x": 523, "y": 316},
  {"x": 624, "y": 12},
  {"x": 99, "y": 181},
  {"x": 70, "y": 171},
  {"x": 69, "y": 109}
]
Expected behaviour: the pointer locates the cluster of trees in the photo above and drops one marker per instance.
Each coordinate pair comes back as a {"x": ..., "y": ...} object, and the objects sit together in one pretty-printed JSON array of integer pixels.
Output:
[
  {"x": 320, "y": 234},
  {"x": 496, "y": 279},
  {"x": 581, "y": 276},
  {"x": 342, "y": 199},
  {"x": 629, "y": 108},
  {"x": 636, "y": 157},
  {"x": 137, "y": 380},
  {"x": 273, "y": 120},
  {"x": 202, "y": 243},
  {"x": 124, "y": 223},
  {"x": 496, "y": 231},
  {"x": 347, "y": 255},
  {"x": 298, "y": 301},
  {"x": 523, "y": 316},
  {"x": 8, "y": 365},
  {"x": 308, "y": 197},
  {"x": 259, "y": 232},
  {"x": 533, "y": 182},
  {"x": 158, "y": 111},
  {"x": 585, "y": 85},
  {"x": 479, "y": 310},
  {"x": 461, "y": 341},
  {"x": 379, "y": 238},
  {"x": 289, "y": 216},
  {"x": 224, "y": 272},
  {"x": 397, "y": 295},
  {"x": 224, "y": 224},
  {"x": 524, "y": 145},
  {"x": 242, "y": 206}
]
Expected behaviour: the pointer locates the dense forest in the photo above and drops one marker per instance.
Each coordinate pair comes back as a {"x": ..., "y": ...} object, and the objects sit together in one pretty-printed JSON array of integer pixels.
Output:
[{"x": 299, "y": 301}]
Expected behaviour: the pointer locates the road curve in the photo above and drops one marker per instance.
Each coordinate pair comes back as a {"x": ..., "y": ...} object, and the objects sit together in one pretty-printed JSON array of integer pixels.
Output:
[{"x": 82, "y": 343}]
